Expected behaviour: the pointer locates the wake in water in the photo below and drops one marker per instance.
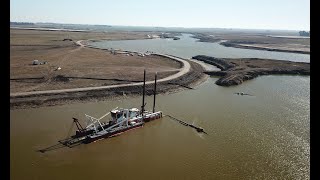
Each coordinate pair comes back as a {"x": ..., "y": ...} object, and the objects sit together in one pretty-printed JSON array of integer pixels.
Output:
[{"x": 196, "y": 121}]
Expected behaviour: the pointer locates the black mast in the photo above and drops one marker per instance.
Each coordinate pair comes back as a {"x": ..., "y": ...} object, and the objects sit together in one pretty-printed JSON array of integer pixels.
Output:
[
  {"x": 155, "y": 92},
  {"x": 144, "y": 86},
  {"x": 80, "y": 128}
]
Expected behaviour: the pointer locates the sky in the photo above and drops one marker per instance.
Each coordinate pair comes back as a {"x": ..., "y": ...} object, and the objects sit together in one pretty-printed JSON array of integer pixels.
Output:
[{"x": 244, "y": 14}]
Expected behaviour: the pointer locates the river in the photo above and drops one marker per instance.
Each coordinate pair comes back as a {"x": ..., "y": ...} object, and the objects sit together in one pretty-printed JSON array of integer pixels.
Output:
[
  {"x": 264, "y": 136},
  {"x": 187, "y": 47}
]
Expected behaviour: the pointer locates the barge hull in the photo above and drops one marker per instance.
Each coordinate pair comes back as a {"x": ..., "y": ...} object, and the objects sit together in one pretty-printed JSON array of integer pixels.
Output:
[{"x": 111, "y": 134}]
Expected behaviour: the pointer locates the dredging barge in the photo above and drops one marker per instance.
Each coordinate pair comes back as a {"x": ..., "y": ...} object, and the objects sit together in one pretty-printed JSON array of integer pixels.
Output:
[{"x": 121, "y": 121}]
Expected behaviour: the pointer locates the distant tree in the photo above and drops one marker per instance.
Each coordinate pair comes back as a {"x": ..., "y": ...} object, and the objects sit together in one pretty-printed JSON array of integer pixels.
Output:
[
  {"x": 304, "y": 33},
  {"x": 21, "y": 23}
]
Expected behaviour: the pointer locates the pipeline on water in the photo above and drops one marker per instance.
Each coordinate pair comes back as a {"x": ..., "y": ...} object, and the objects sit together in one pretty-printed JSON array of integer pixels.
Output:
[{"x": 198, "y": 129}]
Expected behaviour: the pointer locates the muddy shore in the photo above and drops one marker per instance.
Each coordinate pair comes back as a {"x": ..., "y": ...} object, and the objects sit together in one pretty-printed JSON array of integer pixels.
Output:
[{"x": 236, "y": 71}]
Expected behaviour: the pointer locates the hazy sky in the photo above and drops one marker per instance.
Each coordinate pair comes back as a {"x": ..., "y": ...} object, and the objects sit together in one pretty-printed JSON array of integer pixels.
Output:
[{"x": 248, "y": 14}]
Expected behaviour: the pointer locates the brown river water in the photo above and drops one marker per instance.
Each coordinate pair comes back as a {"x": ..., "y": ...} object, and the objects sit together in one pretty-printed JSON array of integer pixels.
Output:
[{"x": 264, "y": 136}]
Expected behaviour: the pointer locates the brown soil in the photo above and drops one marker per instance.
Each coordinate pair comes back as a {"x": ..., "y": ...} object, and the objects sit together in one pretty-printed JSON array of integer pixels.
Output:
[
  {"x": 187, "y": 81},
  {"x": 55, "y": 38},
  {"x": 81, "y": 67}
]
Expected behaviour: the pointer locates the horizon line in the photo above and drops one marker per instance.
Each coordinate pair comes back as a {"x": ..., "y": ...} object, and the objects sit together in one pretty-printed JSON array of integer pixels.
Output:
[{"x": 163, "y": 26}]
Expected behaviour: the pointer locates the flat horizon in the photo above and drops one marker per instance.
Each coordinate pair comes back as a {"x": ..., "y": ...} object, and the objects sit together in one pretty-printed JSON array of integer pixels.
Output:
[
  {"x": 243, "y": 14},
  {"x": 225, "y": 28}
]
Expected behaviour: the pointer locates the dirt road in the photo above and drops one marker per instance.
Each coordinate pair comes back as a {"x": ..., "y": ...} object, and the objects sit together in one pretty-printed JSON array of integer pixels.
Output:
[{"x": 184, "y": 70}]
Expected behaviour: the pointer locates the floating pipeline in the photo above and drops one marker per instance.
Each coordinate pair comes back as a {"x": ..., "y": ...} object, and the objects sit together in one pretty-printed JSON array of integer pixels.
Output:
[{"x": 198, "y": 129}]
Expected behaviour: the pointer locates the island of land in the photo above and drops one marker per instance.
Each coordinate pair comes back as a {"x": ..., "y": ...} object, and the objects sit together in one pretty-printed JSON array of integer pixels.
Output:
[{"x": 236, "y": 71}]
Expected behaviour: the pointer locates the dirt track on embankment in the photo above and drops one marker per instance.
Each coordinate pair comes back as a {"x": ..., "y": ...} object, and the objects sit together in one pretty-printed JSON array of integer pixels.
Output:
[{"x": 187, "y": 81}]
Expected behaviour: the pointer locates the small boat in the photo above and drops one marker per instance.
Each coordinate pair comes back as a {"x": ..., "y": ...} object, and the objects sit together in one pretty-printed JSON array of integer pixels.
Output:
[{"x": 242, "y": 94}]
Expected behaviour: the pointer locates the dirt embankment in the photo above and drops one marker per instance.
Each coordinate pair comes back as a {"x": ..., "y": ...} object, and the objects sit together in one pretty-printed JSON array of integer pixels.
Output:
[
  {"x": 187, "y": 81},
  {"x": 236, "y": 71}
]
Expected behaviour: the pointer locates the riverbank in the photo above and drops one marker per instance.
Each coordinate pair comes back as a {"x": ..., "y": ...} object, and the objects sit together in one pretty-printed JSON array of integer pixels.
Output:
[
  {"x": 236, "y": 71},
  {"x": 257, "y": 41},
  {"x": 74, "y": 71},
  {"x": 268, "y": 47}
]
